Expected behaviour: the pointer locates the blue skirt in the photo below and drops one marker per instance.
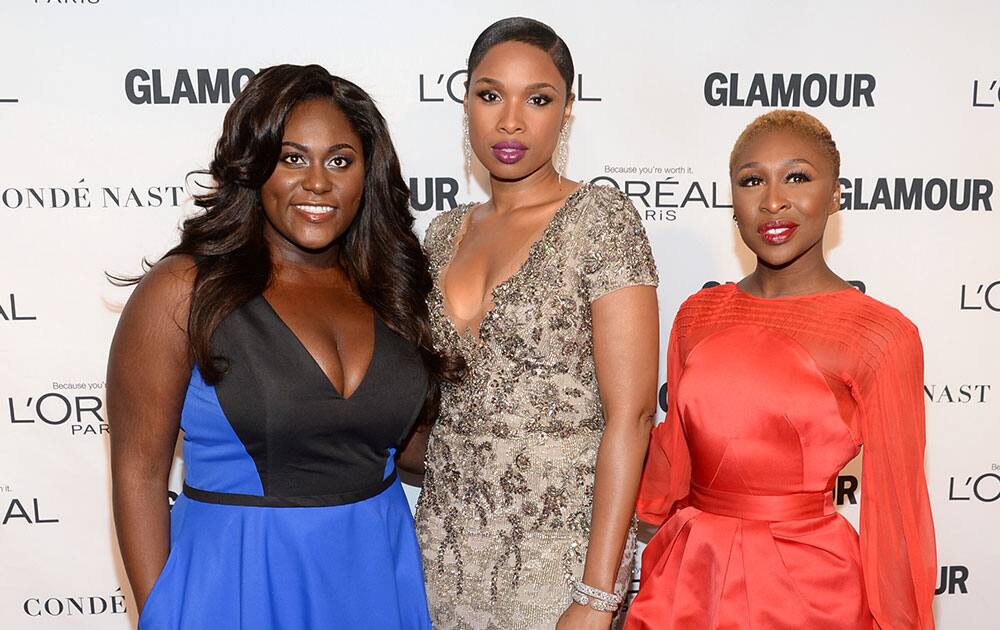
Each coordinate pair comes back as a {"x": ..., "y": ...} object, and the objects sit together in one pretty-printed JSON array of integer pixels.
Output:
[{"x": 239, "y": 567}]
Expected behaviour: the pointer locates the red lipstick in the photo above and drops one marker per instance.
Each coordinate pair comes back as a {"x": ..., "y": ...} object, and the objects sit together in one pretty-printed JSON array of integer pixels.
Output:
[{"x": 777, "y": 232}]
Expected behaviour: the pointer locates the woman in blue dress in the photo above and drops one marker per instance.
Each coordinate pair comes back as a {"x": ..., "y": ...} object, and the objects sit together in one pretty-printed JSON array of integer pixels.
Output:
[{"x": 287, "y": 335}]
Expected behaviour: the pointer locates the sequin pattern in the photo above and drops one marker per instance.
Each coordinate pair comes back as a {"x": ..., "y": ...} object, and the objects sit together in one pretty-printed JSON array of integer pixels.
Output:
[{"x": 504, "y": 516}]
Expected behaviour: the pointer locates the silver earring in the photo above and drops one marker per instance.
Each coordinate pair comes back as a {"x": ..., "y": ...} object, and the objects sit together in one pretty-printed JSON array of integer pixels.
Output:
[
  {"x": 562, "y": 150},
  {"x": 466, "y": 145}
]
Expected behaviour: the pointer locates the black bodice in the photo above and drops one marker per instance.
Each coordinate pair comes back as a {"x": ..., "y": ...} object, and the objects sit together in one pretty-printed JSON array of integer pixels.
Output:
[{"x": 310, "y": 445}]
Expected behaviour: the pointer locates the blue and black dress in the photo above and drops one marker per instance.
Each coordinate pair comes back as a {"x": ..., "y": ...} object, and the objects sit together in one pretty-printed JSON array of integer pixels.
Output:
[{"x": 292, "y": 515}]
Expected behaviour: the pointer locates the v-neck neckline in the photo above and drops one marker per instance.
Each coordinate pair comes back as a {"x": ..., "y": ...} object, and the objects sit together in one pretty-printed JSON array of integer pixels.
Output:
[
  {"x": 311, "y": 360},
  {"x": 489, "y": 304}
]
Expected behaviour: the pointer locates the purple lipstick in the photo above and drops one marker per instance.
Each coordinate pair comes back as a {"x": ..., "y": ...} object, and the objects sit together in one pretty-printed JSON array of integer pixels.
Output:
[{"x": 509, "y": 151}]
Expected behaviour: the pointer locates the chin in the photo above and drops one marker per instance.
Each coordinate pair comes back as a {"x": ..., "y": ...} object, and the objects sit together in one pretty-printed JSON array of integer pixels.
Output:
[
  {"x": 512, "y": 172},
  {"x": 778, "y": 260},
  {"x": 313, "y": 243}
]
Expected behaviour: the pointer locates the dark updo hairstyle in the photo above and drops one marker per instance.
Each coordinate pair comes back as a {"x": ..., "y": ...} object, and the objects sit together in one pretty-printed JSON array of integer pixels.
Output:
[
  {"x": 379, "y": 251},
  {"x": 527, "y": 31}
]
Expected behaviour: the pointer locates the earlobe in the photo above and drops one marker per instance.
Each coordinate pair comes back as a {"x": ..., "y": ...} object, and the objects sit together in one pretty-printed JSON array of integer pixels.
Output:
[
  {"x": 567, "y": 114},
  {"x": 835, "y": 202}
]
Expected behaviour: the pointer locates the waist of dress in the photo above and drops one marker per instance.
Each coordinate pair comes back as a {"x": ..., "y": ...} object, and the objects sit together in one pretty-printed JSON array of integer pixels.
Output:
[
  {"x": 755, "y": 507},
  {"x": 310, "y": 500}
]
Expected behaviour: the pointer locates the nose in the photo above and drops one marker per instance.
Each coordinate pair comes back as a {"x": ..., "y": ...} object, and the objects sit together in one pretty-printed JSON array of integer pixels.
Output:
[
  {"x": 511, "y": 121},
  {"x": 774, "y": 200},
  {"x": 318, "y": 179}
]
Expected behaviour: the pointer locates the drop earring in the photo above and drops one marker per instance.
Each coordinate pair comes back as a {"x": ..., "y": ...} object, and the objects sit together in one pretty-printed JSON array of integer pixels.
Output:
[
  {"x": 466, "y": 145},
  {"x": 562, "y": 150}
]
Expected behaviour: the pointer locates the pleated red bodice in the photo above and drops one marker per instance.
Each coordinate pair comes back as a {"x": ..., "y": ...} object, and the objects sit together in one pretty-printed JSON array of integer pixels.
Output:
[{"x": 769, "y": 399}]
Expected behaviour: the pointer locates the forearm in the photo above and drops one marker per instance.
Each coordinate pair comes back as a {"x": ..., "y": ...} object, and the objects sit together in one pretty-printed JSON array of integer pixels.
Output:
[
  {"x": 142, "y": 521},
  {"x": 616, "y": 484}
]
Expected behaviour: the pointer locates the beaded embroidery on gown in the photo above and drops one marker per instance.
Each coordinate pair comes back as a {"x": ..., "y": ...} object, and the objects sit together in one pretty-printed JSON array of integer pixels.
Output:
[{"x": 503, "y": 520}]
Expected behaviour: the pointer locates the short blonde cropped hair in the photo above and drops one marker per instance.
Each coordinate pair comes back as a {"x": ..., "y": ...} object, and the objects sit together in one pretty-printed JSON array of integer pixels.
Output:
[{"x": 789, "y": 120}]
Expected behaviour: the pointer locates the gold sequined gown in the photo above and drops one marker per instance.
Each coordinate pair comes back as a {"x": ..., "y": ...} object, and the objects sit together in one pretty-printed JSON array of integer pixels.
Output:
[{"x": 503, "y": 520}]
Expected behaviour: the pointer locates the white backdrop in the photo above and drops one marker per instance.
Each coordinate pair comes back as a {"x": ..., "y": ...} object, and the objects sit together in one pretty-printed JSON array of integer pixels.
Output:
[{"x": 105, "y": 105}]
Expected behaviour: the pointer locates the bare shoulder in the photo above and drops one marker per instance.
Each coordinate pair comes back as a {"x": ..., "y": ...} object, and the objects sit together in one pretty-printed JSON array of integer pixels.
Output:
[
  {"x": 166, "y": 289},
  {"x": 173, "y": 275},
  {"x": 151, "y": 343}
]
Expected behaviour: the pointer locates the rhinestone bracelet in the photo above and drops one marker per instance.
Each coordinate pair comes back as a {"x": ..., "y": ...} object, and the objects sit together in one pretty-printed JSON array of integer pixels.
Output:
[{"x": 595, "y": 598}]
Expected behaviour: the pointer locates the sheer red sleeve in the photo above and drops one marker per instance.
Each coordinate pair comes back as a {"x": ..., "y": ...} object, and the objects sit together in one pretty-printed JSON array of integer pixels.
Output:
[
  {"x": 666, "y": 476},
  {"x": 897, "y": 532}
]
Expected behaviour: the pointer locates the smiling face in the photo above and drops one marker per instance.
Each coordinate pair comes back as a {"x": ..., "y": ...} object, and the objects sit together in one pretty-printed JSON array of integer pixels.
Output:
[
  {"x": 784, "y": 190},
  {"x": 315, "y": 191},
  {"x": 517, "y": 102}
]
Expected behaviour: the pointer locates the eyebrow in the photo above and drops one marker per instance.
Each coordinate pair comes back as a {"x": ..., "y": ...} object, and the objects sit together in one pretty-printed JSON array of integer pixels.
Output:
[
  {"x": 533, "y": 86},
  {"x": 331, "y": 149},
  {"x": 542, "y": 84},
  {"x": 785, "y": 163}
]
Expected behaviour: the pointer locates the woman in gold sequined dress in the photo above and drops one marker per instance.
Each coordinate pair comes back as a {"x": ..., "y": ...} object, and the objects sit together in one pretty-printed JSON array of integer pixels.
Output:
[{"x": 548, "y": 291}]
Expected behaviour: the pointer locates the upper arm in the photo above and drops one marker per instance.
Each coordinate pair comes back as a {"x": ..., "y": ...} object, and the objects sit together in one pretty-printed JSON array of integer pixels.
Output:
[
  {"x": 149, "y": 367},
  {"x": 626, "y": 346},
  {"x": 410, "y": 458},
  {"x": 619, "y": 278}
]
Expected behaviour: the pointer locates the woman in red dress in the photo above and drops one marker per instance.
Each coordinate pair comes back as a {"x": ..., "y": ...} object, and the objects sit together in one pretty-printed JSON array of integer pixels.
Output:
[{"x": 775, "y": 384}]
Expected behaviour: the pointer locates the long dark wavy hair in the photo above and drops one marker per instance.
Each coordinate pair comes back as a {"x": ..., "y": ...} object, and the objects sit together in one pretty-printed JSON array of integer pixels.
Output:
[{"x": 379, "y": 251}]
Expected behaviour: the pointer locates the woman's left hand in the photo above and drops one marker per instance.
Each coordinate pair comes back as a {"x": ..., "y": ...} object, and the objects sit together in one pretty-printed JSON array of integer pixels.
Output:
[{"x": 579, "y": 617}]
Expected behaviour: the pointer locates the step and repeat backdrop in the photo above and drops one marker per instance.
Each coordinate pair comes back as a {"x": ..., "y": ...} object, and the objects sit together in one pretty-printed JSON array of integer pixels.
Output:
[{"x": 106, "y": 105}]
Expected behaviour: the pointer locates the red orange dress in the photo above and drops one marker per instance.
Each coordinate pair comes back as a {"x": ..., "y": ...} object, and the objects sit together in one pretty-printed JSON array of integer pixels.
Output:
[{"x": 769, "y": 399}]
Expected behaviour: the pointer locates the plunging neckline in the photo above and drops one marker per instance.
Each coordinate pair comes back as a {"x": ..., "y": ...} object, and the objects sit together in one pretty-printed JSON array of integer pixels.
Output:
[
  {"x": 310, "y": 359},
  {"x": 488, "y": 305}
]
